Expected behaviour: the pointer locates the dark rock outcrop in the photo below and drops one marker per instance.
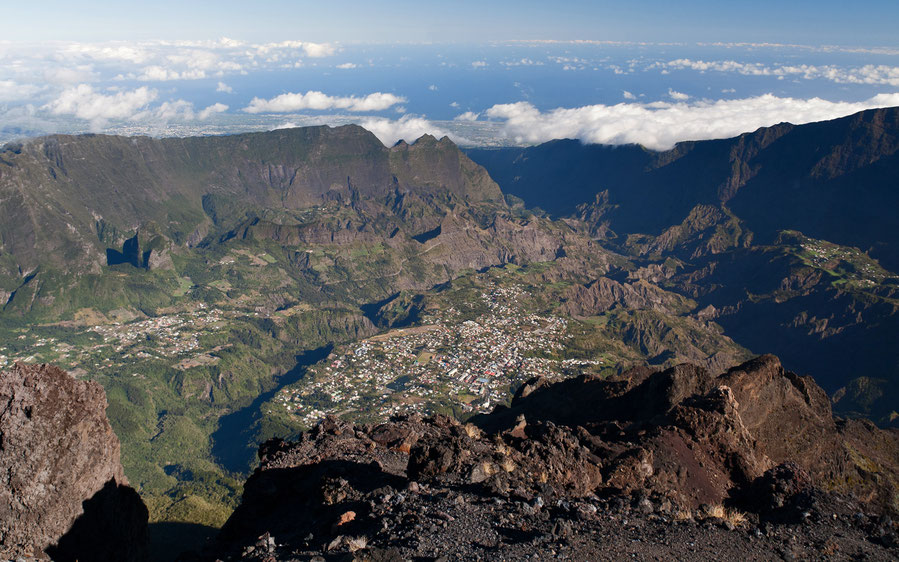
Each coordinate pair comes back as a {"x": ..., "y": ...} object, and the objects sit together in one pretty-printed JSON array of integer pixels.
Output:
[
  {"x": 564, "y": 461},
  {"x": 62, "y": 490}
]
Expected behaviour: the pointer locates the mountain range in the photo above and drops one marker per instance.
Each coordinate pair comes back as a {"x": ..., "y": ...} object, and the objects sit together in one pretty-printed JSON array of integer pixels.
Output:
[
  {"x": 202, "y": 280},
  {"x": 785, "y": 236}
]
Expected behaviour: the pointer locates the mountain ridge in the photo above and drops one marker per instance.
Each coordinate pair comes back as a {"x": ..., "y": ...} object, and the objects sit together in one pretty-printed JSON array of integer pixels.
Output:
[
  {"x": 138, "y": 180},
  {"x": 808, "y": 164}
]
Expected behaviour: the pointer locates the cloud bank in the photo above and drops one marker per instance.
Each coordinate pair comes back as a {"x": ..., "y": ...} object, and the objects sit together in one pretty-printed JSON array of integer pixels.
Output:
[
  {"x": 660, "y": 125},
  {"x": 84, "y": 102},
  {"x": 13, "y": 91},
  {"x": 408, "y": 128},
  {"x": 155, "y": 61},
  {"x": 870, "y": 74},
  {"x": 286, "y": 103}
]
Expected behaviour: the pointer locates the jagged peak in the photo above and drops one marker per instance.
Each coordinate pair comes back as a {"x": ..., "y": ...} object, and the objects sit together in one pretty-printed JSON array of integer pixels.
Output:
[
  {"x": 426, "y": 138},
  {"x": 676, "y": 438}
]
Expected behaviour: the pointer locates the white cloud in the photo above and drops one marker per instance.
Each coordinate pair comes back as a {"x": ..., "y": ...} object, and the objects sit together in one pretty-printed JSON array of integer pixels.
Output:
[
  {"x": 479, "y": 63},
  {"x": 84, "y": 102},
  {"x": 116, "y": 51},
  {"x": 222, "y": 87},
  {"x": 814, "y": 48},
  {"x": 467, "y": 116},
  {"x": 346, "y": 66},
  {"x": 135, "y": 106},
  {"x": 522, "y": 62},
  {"x": 312, "y": 50},
  {"x": 868, "y": 74},
  {"x": 226, "y": 42},
  {"x": 169, "y": 111},
  {"x": 433, "y": 87},
  {"x": 377, "y": 101},
  {"x": 13, "y": 91},
  {"x": 70, "y": 74},
  {"x": 211, "y": 110},
  {"x": 679, "y": 96},
  {"x": 454, "y": 104},
  {"x": 627, "y": 95},
  {"x": 163, "y": 60},
  {"x": 316, "y": 50},
  {"x": 408, "y": 128},
  {"x": 161, "y": 74},
  {"x": 659, "y": 125}
]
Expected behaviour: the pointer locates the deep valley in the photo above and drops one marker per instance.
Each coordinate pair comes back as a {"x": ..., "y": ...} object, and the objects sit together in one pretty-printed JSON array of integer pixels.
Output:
[{"x": 229, "y": 290}]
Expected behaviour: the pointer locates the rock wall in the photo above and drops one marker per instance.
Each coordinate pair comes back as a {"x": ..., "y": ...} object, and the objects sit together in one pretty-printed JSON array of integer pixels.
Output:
[{"x": 63, "y": 493}]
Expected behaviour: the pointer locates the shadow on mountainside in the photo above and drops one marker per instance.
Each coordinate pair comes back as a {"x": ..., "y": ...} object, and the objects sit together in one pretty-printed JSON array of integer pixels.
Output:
[{"x": 169, "y": 539}]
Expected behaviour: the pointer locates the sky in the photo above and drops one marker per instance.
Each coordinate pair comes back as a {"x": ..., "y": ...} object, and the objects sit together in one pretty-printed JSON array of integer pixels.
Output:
[
  {"x": 484, "y": 73},
  {"x": 860, "y": 23}
]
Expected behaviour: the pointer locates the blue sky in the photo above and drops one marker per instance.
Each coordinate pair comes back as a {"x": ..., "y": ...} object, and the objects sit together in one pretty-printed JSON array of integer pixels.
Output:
[
  {"x": 497, "y": 72},
  {"x": 862, "y": 23}
]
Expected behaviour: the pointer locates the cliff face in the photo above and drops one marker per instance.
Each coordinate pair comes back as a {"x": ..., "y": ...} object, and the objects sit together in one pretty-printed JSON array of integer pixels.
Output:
[
  {"x": 70, "y": 196},
  {"x": 62, "y": 489},
  {"x": 570, "y": 461}
]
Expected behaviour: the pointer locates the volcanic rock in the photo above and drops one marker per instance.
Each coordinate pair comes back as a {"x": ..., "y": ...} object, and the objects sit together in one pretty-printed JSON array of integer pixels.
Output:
[
  {"x": 62, "y": 490},
  {"x": 557, "y": 471}
]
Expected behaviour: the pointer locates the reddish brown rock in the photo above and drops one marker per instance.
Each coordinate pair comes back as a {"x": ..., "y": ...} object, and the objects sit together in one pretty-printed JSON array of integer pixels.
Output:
[
  {"x": 676, "y": 441},
  {"x": 62, "y": 489}
]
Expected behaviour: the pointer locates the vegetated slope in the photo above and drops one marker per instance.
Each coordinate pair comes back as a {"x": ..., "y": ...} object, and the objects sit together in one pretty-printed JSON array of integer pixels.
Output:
[
  {"x": 586, "y": 469},
  {"x": 787, "y": 233}
]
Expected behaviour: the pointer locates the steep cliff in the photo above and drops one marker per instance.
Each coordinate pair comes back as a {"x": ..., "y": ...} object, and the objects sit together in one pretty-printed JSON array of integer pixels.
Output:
[{"x": 62, "y": 490}]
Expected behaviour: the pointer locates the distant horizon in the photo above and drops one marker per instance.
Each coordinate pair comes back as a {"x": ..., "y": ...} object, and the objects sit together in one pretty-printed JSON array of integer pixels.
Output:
[
  {"x": 502, "y": 73},
  {"x": 448, "y": 132}
]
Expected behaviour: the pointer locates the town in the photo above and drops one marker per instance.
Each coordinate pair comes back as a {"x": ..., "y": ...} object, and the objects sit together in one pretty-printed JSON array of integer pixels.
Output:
[
  {"x": 465, "y": 355},
  {"x": 446, "y": 364},
  {"x": 174, "y": 337}
]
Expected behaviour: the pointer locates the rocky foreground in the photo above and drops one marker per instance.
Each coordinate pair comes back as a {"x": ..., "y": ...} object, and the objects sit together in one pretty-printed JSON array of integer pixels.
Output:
[
  {"x": 673, "y": 464},
  {"x": 63, "y": 494}
]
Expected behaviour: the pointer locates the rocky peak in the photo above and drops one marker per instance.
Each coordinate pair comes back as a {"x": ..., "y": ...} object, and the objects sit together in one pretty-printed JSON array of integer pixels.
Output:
[
  {"x": 63, "y": 493},
  {"x": 673, "y": 441}
]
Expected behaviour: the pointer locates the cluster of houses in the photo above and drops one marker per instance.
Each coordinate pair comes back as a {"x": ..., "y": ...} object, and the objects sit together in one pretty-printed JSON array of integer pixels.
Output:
[
  {"x": 823, "y": 253},
  {"x": 466, "y": 365},
  {"x": 167, "y": 336},
  {"x": 171, "y": 335}
]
